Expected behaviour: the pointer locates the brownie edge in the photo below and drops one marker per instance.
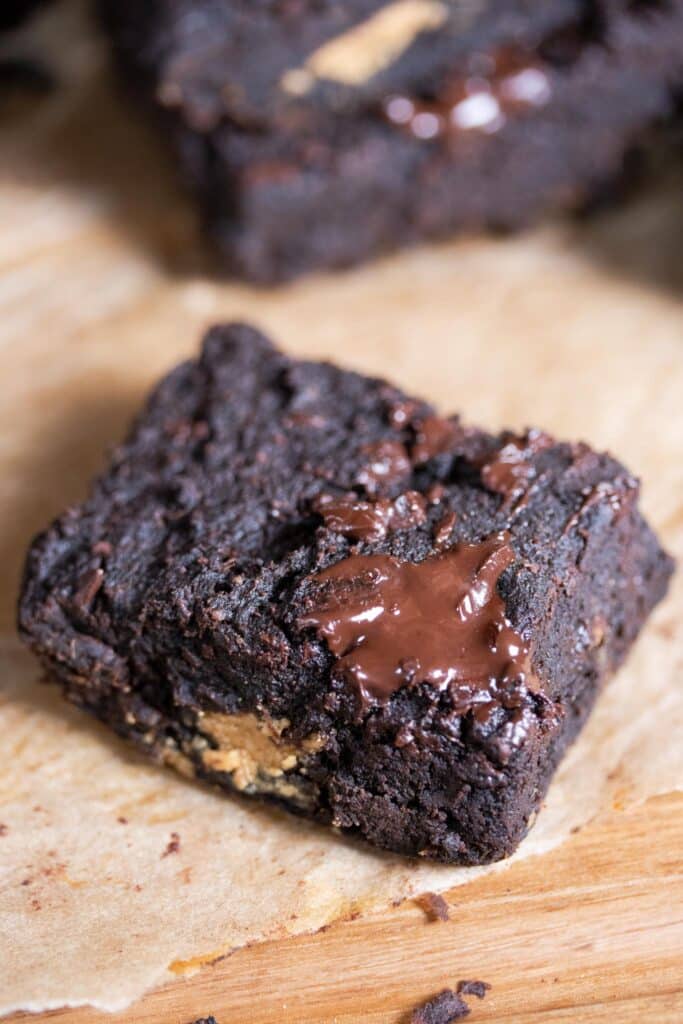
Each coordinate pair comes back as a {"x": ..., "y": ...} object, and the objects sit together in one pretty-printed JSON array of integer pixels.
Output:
[{"x": 304, "y": 585}]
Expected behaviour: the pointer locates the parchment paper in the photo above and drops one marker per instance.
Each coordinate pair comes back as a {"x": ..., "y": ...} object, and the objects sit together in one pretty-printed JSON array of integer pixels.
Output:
[{"x": 116, "y": 876}]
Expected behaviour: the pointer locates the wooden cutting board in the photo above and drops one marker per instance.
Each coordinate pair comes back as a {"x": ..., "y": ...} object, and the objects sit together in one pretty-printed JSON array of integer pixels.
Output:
[
  {"x": 591, "y": 933},
  {"x": 102, "y": 288}
]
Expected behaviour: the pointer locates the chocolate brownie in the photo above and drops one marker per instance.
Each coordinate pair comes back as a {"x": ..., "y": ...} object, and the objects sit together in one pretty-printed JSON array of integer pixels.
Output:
[
  {"x": 317, "y": 134},
  {"x": 299, "y": 583}
]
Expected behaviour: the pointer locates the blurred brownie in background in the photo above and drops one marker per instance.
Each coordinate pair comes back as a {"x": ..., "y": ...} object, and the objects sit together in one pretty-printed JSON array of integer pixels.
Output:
[{"x": 317, "y": 134}]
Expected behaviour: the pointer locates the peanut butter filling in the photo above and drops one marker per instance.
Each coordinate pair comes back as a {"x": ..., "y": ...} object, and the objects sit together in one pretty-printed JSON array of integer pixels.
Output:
[
  {"x": 251, "y": 750},
  {"x": 355, "y": 56}
]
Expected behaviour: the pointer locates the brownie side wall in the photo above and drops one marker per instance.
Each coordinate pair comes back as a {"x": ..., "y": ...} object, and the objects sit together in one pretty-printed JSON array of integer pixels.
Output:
[{"x": 599, "y": 606}]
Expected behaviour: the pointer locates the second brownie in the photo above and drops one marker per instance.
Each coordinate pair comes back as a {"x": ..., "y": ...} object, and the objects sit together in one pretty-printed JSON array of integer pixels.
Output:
[{"x": 320, "y": 134}]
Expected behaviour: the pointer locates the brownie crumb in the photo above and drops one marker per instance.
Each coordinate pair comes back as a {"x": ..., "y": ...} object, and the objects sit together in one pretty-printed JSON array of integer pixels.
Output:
[
  {"x": 443, "y": 1009},
  {"x": 173, "y": 845},
  {"x": 205, "y": 1020},
  {"x": 434, "y": 906},
  {"x": 473, "y": 988},
  {"x": 3, "y": 829}
]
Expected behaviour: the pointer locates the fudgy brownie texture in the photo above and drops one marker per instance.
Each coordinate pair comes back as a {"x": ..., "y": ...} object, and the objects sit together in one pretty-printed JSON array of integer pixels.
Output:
[
  {"x": 317, "y": 134},
  {"x": 299, "y": 583}
]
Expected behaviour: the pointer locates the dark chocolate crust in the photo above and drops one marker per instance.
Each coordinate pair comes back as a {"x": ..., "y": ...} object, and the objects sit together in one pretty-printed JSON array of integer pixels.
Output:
[
  {"x": 172, "y": 603},
  {"x": 288, "y": 183}
]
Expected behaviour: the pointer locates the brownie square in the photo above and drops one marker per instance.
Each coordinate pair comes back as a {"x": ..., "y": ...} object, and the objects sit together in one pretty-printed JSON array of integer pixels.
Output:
[
  {"x": 319, "y": 134},
  {"x": 299, "y": 583}
]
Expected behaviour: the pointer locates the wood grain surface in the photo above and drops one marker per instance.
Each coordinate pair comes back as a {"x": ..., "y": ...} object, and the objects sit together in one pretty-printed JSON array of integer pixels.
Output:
[
  {"x": 591, "y": 933},
  {"x": 99, "y": 262}
]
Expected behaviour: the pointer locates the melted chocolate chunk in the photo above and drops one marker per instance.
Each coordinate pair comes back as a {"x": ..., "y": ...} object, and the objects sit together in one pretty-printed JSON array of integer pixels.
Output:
[
  {"x": 511, "y": 470},
  {"x": 409, "y": 509},
  {"x": 371, "y": 520},
  {"x": 353, "y": 517},
  {"x": 497, "y": 86},
  {"x": 444, "y": 530},
  {"x": 388, "y": 463},
  {"x": 435, "y": 435},
  {"x": 440, "y": 621}
]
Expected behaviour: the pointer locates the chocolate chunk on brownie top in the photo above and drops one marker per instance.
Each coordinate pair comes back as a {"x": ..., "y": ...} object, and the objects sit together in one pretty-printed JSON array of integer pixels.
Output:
[
  {"x": 319, "y": 134},
  {"x": 302, "y": 584},
  {"x": 390, "y": 622}
]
